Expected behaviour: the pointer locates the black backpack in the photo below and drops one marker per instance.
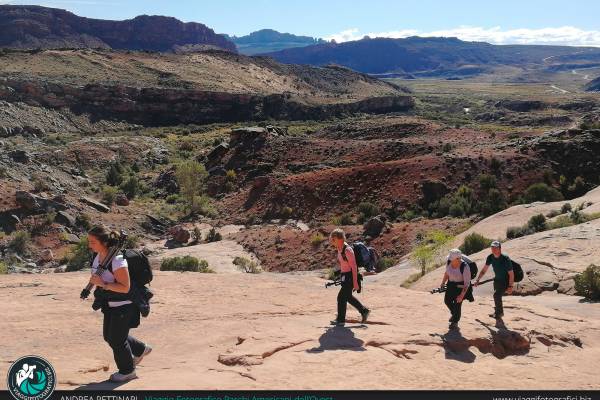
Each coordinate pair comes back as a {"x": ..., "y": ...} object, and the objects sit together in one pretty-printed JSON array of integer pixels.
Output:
[
  {"x": 366, "y": 257},
  {"x": 517, "y": 271},
  {"x": 140, "y": 272}
]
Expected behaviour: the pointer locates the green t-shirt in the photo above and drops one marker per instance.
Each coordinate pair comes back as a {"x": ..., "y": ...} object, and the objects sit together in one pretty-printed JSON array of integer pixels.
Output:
[{"x": 501, "y": 266}]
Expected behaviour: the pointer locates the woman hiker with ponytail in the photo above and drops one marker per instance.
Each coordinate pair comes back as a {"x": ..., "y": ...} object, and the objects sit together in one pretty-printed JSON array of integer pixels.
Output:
[
  {"x": 120, "y": 314},
  {"x": 349, "y": 276}
]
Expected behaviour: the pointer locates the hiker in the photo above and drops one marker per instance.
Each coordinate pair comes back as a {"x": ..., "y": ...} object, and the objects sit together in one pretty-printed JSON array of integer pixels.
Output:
[
  {"x": 458, "y": 276},
  {"x": 504, "y": 276},
  {"x": 349, "y": 278},
  {"x": 120, "y": 314}
]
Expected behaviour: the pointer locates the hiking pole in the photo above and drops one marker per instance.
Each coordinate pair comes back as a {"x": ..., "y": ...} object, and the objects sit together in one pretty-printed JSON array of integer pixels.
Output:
[
  {"x": 112, "y": 252},
  {"x": 442, "y": 289},
  {"x": 333, "y": 283}
]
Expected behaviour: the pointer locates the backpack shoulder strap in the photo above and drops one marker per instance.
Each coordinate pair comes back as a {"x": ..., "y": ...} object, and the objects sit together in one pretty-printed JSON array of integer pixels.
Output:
[{"x": 344, "y": 252}]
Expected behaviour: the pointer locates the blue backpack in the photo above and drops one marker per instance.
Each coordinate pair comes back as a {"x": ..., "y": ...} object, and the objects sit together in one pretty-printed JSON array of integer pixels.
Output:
[{"x": 366, "y": 257}]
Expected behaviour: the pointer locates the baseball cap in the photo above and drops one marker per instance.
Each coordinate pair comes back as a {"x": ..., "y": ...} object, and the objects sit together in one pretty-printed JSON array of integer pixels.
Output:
[{"x": 495, "y": 243}]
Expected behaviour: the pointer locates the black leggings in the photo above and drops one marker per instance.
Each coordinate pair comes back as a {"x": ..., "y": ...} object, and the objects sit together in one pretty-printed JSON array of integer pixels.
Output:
[
  {"x": 450, "y": 296},
  {"x": 499, "y": 289},
  {"x": 117, "y": 321},
  {"x": 345, "y": 296}
]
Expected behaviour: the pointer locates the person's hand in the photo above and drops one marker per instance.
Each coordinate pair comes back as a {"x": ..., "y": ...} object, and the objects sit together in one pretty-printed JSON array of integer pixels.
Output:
[
  {"x": 509, "y": 290},
  {"x": 96, "y": 280},
  {"x": 460, "y": 298},
  {"x": 476, "y": 283},
  {"x": 355, "y": 288}
]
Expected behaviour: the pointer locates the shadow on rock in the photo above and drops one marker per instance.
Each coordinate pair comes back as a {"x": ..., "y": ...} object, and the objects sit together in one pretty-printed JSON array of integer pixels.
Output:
[
  {"x": 338, "y": 338},
  {"x": 104, "y": 385}
]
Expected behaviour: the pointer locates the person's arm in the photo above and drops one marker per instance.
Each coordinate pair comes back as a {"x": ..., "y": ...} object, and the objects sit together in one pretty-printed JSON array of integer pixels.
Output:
[
  {"x": 466, "y": 283},
  {"x": 511, "y": 277},
  {"x": 444, "y": 279},
  {"x": 122, "y": 283},
  {"x": 352, "y": 261},
  {"x": 481, "y": 274}
]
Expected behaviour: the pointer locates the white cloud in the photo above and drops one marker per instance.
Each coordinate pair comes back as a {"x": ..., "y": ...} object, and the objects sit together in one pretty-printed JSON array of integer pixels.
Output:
[{"x": 565, "y": 35}]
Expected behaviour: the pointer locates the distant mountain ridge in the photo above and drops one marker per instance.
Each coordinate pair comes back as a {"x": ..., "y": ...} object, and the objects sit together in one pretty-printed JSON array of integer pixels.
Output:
[
  {"x": 269, "y": 40},
  {"x": 427, "y": 54},
  {"x": 36, "y": 27}
]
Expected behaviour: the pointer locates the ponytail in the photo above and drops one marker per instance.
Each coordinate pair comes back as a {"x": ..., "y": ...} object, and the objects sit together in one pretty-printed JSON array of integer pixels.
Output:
[{"x": 104, "y": 235}]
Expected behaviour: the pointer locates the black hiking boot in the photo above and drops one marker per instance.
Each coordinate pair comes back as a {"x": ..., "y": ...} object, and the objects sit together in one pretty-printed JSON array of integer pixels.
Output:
[
  {"x": 365, "y": 315},
  {"x": 335, "y": 322}
]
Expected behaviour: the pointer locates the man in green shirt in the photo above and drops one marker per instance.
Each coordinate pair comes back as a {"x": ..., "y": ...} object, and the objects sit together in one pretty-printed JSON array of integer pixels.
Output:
[{"x": 504, "y": 276}]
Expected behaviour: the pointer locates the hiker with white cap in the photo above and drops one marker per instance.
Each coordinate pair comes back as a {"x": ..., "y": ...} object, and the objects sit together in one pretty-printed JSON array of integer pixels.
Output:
[
  {"x": 458, "y": 276},
  {"x": 504, "y": 276}
]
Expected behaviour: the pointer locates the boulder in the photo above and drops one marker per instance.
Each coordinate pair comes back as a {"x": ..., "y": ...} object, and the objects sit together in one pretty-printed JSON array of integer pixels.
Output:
[
  {"x": 180, "y": 234},
  {"x": 27, "y": 200},
  {"x": 47, "y": 256},
  {"x": 374, "y": 226},
  {"x": 64, "y": 218},
  {"x": 95, "y": 204},
  {"x": 19, "y": 156},
  {"x": 166, "y": 180},
  {"x": 121, "y": 200},
  {"x": 71, "y": 238}
]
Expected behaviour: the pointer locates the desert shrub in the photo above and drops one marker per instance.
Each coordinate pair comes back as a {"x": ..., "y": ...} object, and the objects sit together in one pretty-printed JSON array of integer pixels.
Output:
[
  {"x": 213, "y": 236},
  {"x": 204, "y": 206},
  {"x": 132, "y": 241},
  {"x": 332, "y": 274},
  {"x": 587, "y": 283},
  {"x": 191, "y": 176},
  {"x": 185, "y": 263},
  {"x": 317, "y": 239},
  {"x": 495, "y": 165},
  {"x": 114, "y": 176},
  {"x": 3, "y": 268},
  {"x": 431, "y": 247},
  {"x": 78, "y": 256},
  {"x": 514, "y": 232},
  {"x": 384, "y": 263},
  {"x": 344, "y": 219},
  {"x": 131, "y": 187},
  {"x": 109, "y": 193},
  {"x": 196, "y": 235},
  {"x": 230, "y": 175},
  {"x": 20, "y": 241},
  {"x": 40, "y": 183},
  {"x": 553, "y": 213},
  {"x": 565, "y": 208},
  {"x": 246, "y": 265},
  {"x": 286, "y": 212},
  {"x": 474, "y": 243},
  {"x": 368, "y": 210},
  {"x": 537, "y": 223},
  {"x": 562, "y": 221},
  {"x": 84, "y": 221},
  {"x": 492, "y": 202},
  {"x": 172, "y": 198},
  {"x": 578, "y": 188},
  {"x": 447, "y": 148},
  {"x": 541, "y": 192},
  {"x": 487, "y": 182}
]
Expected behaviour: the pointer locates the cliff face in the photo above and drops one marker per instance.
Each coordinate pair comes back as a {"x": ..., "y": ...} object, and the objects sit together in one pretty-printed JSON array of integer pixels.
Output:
[
  {"x": 32, "y": 27},
  {"x": 159, "y": 106}
]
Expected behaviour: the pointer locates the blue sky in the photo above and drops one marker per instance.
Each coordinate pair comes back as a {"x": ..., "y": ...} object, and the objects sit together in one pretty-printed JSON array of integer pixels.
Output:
[{"x": 498, "y": 21}]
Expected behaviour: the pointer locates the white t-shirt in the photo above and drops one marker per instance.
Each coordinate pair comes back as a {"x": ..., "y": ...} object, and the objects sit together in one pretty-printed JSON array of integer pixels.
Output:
[{"x": 108, "y": 277}]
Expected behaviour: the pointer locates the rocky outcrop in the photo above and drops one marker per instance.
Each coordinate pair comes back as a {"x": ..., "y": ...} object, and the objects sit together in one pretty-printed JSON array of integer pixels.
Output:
[
  {"x": 522, "y": 105},
  {"x": 33, "y": 27},
  {"x": 593, "y": 86},
  {"x": 160, "y": 106}
]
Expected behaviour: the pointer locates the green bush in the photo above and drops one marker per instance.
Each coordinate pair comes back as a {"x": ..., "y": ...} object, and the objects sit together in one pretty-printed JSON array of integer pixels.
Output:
[
  {"x": 562, "y": 221},
  {"x": 553, "y": 213},
  {"x": 20, "y": 242},
  {"x": 368, "y": 210},
  {"x": 109, "y": 193},
  {"x": 79, "y": 256},
  {"x": 114, "y": 176},
  {"x": 344, "y": 219},
  {"x": 541, "y": 192},
  {"x": 587, "y": 283},
  {"x": 565, "y": 208},
  {"x": 3, "y": 268},
  {"x": 317, "y": 239},
  {"x": 474, "y": 243},
  {"x": 578, "y": 188},
  {"x": 246, "y": 265},
  {"x": 191, "y": 177},
  {"x": 514, "y": 232},
  {"x": 213, "y": 236},
  {"x": 286, "y": 213},
  {"x": 131, "y": 187},
  {"x": 84, "y": 221},
  {"x": 487, "y": 182},
  {"x": 384, "y": 263},
  {"x": 185, "y": 264},
  {"x": 537, "y": 223}
]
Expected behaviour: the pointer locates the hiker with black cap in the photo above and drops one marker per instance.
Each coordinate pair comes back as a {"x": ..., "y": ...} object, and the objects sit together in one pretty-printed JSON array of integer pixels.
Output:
[
  {"x": 458, "y": 276},
  {"x": 504, "y": 276},
  {"x": 349, "y": 277}
]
